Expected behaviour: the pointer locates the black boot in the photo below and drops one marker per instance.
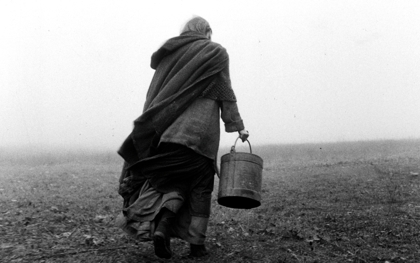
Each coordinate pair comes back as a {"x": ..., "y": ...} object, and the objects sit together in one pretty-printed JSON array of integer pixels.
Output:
[
  {"x": 161, "y": 237},
  {"x": 197, "y": 251}
]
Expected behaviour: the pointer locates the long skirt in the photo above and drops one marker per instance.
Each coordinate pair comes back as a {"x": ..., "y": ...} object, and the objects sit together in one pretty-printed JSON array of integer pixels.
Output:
[{"x": 176, "y": 178}]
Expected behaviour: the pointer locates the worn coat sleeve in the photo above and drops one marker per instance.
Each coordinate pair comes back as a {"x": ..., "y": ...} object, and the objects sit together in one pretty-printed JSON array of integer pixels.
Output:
[{"x": 231, "y": 117}]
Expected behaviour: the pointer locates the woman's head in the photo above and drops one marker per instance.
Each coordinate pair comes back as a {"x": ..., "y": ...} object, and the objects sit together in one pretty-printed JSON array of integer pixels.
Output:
[{"x": 198, "y": 24}]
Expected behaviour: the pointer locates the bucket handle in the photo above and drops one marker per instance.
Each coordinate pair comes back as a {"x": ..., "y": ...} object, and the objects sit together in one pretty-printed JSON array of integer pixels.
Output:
[{"x": 232, "y": 149}]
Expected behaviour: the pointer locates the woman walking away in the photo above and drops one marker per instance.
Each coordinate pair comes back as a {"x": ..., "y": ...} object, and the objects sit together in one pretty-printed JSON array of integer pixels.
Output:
[{"x": 170, "y": 156}]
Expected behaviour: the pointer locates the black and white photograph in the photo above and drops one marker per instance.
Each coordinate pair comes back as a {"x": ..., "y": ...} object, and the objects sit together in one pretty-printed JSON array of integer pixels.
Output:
[{"x": 210, "y": 131}]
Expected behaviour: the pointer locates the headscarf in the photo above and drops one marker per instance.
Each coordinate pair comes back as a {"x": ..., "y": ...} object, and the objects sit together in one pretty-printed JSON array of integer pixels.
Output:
[{"x": 197, "y": 24}]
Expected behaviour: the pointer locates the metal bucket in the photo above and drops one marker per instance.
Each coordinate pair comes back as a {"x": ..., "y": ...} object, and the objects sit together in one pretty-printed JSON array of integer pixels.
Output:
[{"x": 240, "y": 179}]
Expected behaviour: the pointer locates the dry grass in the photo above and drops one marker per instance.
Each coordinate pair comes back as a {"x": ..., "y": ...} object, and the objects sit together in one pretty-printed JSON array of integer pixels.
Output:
[{"x": 343, "y": 202}]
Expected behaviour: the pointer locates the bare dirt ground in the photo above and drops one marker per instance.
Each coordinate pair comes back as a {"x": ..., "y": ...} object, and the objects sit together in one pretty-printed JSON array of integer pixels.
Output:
[{"x": 342, "y": 202}]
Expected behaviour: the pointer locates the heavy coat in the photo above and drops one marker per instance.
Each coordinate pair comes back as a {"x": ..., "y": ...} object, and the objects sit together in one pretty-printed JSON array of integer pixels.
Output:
[{"x": 186, "y": 66}]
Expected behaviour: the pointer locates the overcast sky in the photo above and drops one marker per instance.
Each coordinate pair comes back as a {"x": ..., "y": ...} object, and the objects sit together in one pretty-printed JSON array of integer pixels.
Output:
[{"x": 76, "y": 73}]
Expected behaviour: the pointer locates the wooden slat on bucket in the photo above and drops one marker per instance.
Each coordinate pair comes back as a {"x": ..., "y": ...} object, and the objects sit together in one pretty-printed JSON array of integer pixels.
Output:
[{"x": 240, "y": 179}]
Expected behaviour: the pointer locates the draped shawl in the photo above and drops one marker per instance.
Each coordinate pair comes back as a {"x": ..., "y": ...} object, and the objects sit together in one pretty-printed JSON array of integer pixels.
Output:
[{"x": 186, "y": 66}]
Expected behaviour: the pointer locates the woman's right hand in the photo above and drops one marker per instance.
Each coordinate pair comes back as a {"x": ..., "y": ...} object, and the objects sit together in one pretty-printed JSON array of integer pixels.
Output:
[{"x": 244, "y": 134}]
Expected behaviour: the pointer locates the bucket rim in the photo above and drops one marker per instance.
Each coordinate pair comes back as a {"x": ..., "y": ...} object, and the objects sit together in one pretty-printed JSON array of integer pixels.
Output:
[{"x": 243, "y": 153}]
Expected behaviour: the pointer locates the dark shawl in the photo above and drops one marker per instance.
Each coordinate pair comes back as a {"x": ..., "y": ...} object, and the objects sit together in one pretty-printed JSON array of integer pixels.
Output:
[{"x": 185, "y": 66}]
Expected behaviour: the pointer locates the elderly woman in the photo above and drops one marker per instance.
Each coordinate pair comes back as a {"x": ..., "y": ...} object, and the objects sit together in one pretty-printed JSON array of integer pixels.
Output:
[{"x": 170, "y": 156}]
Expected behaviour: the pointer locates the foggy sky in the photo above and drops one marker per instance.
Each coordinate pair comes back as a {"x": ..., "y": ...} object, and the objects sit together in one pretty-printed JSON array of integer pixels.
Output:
[{"x": 76, "y": 73}]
